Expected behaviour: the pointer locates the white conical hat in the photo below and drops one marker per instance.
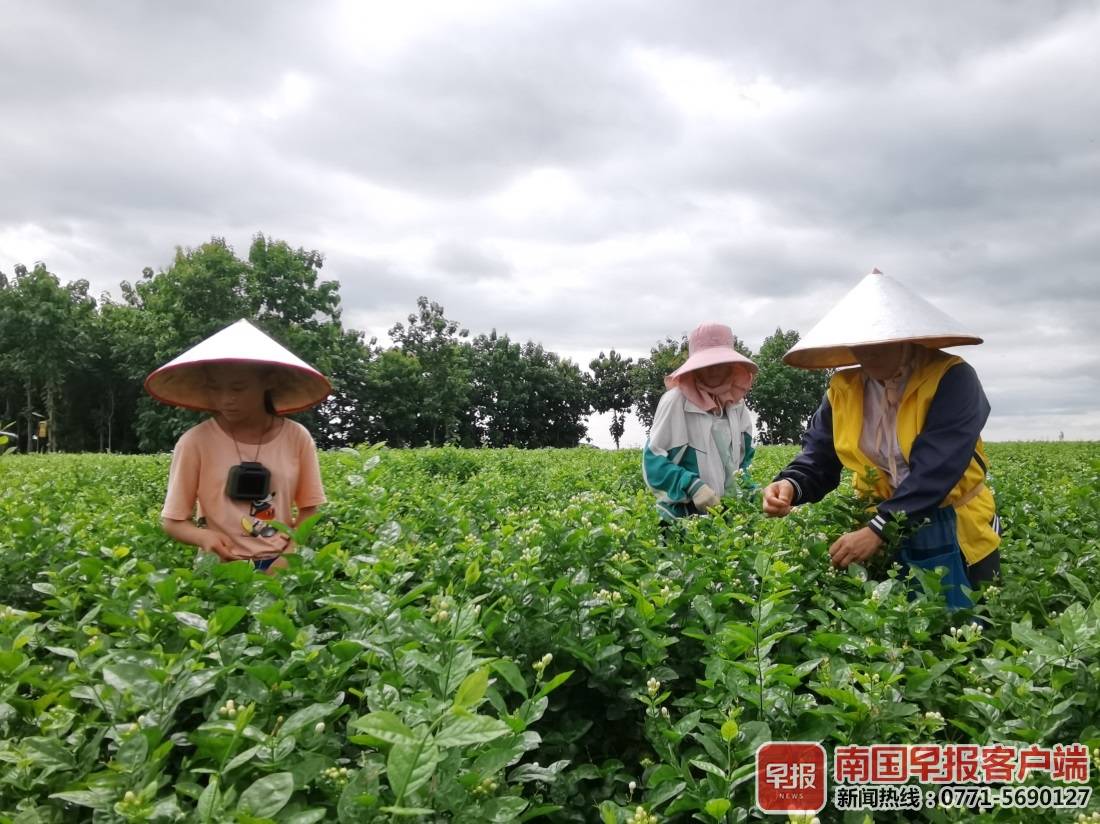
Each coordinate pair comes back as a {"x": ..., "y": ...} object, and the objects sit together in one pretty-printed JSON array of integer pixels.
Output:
[
  {"x": 877, "y": 310},
  {"x": 182, "y": 381}
]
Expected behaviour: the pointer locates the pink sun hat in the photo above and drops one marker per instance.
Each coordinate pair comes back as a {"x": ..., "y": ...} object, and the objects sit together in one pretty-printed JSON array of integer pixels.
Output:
[{"x": 710, "y": 344}]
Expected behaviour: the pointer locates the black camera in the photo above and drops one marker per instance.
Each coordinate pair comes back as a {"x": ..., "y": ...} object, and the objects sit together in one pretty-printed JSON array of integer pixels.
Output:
[{"x": 248, "y": 481}]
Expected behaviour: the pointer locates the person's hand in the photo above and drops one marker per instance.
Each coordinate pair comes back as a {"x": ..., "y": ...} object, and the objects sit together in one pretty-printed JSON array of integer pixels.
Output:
[
  {"x": 705, "y": 498},
  {"x": 855, "y": 547},
  {"x": 219, "y": 544},
  {"x": 778, "y": 498}
]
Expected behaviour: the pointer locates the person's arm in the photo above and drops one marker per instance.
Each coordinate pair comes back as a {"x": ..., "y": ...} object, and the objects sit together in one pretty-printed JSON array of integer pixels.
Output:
[
  {"x": 662, "y": 474},
  {"x": 305, "y": 512},
  {"x": 209, "y": 540},
  {"x": 310, "y": 493},
  {"x": 944, "y": 448},
  {"x": 815, "y": 471},
  {"x": 179, "y": 504}
]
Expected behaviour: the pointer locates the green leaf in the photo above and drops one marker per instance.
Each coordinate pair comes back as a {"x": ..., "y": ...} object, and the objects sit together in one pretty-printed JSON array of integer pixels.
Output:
[
  {"x": 309, "y": 716},
  {"x": 133, "y": 751},
  {"x": 275, "y": 618},
  {"x": 473, "y": 573},
  {"x": 266, "y": 796},
  {"x": 95, "y": 799},
  {"x": 472, "y": 689},
  {"x": 1035, "y": 640},
  {"x": 665, "y": 792},
  {"x": 471, "y": 729},
  {"x": 132, "y": 678},
  {"x": 535, "y": 772},
  {"x": 609, "y": 812},
  {"x": 410, "y": 765},
  {"x": 882, "y": 589},
  {"x": 553, "y": 684},
  {"x": 729, "y": 730},
  {"x": 190, "y": 619},
  {"x": 1079, "y": 586},
  {"x": 717, "y": 807},
  {"x": 385, "y": 726},
  {"x": 311, "y": 816},
  {"x": 407, "y": 812},
  {"x": 240, "y": 758},
  {"x": 265, "y": 672},
  {"x": 224, "y": 619},
  {"x": 707, "y": 767},
  {"x": 539, "y": 812},
  {"x": 304, "y": 530},
  {"x": 510, "y": 673},
  {"x": 10, "y": 661},
  {"x": 701, "y": 604},
  {"x": 503, "y": 809},
  {"x": 209, "y": 800}
]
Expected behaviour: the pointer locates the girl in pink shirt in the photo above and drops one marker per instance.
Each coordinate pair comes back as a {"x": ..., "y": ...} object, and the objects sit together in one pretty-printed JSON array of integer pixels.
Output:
[{"x": 246, "y": 465}]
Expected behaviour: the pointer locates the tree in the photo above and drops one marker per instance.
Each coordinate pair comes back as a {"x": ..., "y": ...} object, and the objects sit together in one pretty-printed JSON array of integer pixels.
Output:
[
  {"x": 44, "y": 339},
  {"x": 208, "y": 288},
  {"x": 558, "y": 400},
  {"x": 612, "y": 389},
  {"x": 390, "y": 405},
  {"x": 648, "y": 375},
  {"x": 438, "y": 346},
  {"x": 784, "y": 398},
  {"x": 524, "y": 396},
  {"x": 500, "y": 391}
]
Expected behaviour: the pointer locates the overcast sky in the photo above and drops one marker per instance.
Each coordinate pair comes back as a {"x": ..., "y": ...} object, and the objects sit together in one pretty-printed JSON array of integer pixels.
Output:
[{"x": 588, "y": 174}]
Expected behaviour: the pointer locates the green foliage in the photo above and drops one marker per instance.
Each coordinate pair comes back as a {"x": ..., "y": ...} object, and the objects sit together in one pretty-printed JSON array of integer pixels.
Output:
[
  {"x": 503, "y": 635},
  {"x": 784, "y": 398},
  {"x": 649, "y": 376},
  {"x": 44, "y": 330},
  {"x": 82, "y": 366},
  {"x": 612, "y": 389},
  {"x": 523, "y": 395}
]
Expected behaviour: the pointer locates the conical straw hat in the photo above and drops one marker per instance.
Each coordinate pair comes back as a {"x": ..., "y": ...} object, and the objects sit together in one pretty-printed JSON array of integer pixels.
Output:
[
  {"x": 877, "y": 310},
  {"x": 182, "y": 381}
]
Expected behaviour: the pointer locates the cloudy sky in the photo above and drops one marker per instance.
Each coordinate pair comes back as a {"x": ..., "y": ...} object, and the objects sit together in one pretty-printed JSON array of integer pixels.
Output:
[{"x": 588, "y": 174}]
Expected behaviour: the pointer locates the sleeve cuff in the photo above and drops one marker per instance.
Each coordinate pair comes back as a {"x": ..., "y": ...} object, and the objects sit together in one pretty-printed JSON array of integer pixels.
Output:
[
  {"x": 696, "y": 485},
  {"x": 879, "y": 522},
  {"x": 797, "y": 488}
]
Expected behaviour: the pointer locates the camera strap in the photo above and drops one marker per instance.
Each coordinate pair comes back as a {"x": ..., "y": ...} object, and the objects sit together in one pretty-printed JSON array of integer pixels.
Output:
[{"x": 259, "y": 446}]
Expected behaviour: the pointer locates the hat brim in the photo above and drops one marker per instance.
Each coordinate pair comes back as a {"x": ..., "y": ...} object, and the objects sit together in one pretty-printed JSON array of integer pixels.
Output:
[
  {"x": 294, "y": 389},
  {"x": 711, "y": 357},
  {"x": 840, "y": 355}
]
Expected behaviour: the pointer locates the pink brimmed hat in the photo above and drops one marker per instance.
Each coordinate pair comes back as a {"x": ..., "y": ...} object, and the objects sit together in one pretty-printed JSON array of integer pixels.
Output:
[
  {"x": 182, "y": 381},
  {"x": 710, "y": 344}
]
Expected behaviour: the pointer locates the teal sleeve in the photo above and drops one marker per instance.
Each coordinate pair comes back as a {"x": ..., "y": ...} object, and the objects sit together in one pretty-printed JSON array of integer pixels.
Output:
[
  {"x": 662, "y": 474},
  {"x": 749, "y": 451}
]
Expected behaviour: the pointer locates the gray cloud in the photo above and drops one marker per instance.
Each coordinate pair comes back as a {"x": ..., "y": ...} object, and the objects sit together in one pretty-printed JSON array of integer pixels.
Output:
[{"x": 588, "y": 175}]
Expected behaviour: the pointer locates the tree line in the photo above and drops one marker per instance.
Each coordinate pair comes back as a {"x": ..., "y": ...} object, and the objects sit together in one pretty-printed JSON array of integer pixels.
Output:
[{"x": 76, "y": 364}]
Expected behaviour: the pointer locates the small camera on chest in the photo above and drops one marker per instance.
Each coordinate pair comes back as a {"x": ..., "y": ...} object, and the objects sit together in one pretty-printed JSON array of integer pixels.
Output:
[{"x": 248, "y": 481}]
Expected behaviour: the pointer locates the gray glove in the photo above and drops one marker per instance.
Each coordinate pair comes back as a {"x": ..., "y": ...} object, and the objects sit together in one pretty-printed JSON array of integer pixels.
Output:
[{"x": 705, "y": 498}]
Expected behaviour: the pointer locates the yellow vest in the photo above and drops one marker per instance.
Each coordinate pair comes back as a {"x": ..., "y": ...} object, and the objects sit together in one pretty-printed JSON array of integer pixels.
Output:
[{"x": 972, "y": 499}]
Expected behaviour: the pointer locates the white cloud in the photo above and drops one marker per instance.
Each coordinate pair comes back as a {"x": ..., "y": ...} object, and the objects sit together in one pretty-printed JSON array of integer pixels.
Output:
[{"x": 588, "y": 175}]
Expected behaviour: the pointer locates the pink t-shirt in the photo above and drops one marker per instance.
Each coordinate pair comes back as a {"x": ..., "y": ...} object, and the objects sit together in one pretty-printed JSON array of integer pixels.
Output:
[{"x": 201, "y": 462}]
